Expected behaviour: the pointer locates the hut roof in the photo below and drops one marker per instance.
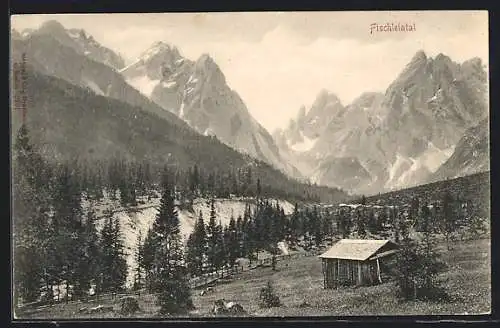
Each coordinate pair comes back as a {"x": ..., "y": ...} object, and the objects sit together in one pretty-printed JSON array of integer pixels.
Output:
[{"x": 355, "y": 249}]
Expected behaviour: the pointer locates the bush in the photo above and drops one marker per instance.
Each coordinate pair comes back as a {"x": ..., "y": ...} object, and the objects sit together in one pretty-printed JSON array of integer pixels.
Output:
[
  {"x": 416, "y": 271},
  {"x": 175, "y": 295},
  {"x": 268, "y": 298},
  {"x": 129, "y": 305}
]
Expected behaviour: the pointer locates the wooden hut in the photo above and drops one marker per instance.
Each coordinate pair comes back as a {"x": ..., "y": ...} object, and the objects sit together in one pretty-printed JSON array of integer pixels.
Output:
[{"x": 356, "y": 262}]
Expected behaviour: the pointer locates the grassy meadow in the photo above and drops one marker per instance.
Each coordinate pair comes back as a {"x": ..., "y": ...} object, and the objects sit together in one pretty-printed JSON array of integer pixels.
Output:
[{"x": 299, "y": 284}]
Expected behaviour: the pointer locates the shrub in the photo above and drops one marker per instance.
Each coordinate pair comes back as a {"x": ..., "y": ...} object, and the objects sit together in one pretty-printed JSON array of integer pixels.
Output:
[
  {"x": 416, "y": 271},
  {"x": 129, "y": 305},
  {"x": 268, "y": 298}
]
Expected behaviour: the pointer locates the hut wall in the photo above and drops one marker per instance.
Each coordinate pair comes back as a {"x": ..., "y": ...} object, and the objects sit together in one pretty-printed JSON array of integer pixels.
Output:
[{"x": 338, "y": 272}]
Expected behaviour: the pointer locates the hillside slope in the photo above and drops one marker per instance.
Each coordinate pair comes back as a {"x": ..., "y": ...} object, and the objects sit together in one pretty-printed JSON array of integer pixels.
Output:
[
  {"x": 471, "y": 155},
  {"x": 68, "y": 122},
  {"x": 135, "y": 221},
  {"x": 197, "y": 92}
]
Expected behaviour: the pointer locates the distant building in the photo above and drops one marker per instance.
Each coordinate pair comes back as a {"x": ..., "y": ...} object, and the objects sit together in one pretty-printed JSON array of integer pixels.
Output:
[{"x": 356, "y": 262}]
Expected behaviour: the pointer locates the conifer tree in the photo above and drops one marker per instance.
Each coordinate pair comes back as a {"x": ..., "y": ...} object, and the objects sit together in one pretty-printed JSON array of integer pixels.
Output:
[
  {"x": 430, "y": 264},
  {"x": 114, "y": 266},
  {"x": 197, "y": 248},
  {"x": 316, "y": 226},
  {"x": 360, "y": 223},
  {"x": 214, "y": 240},
  {"x": 174, "y": 292},
  {"x": 67, "y": 226},
  {"x": 295, "y": 226},
  {"x": 149, "y": 248},
  {"x": 231, "y": 242},
  {"x": 373, "y": 224},
  {"x": 139, "y": 261},
  {"x": 448, "y": 217},
  {"x": 89, "y": 262},
  {"x": 30, "y": 215}
]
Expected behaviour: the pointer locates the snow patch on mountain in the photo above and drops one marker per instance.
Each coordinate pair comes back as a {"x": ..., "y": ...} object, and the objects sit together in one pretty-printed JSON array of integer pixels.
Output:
[
  {"x": 94, "y": 87},
  {"x": 434, "y": 157},
  {"x": 400, "y": 165},
  {"x": 181, "y": 110},
  {"x": 168, "y": 84},
  {"x": 136, "y": 62},
  {"x": 305, "y": 145},
  {"x": 143, "y": 84}
]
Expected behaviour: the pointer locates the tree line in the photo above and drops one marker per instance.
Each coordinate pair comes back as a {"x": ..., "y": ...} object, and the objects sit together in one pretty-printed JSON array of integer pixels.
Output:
[{"x": 57, "y": 243}]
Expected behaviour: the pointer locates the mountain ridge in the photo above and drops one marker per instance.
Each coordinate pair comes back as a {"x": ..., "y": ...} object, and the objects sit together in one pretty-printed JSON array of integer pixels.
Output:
[
  {"x": 197, "y": 92},
  {"x": 400, "y": 137}
]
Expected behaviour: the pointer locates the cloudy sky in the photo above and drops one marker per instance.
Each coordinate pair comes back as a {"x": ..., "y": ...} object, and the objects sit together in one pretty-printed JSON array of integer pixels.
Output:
[{"x": 280, "y": 61}]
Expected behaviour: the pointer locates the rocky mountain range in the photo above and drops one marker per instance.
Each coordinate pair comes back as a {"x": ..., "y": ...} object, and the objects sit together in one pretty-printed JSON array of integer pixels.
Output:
[
  {"x": 79, "y": 107},
  {"x": 471, "y": 154},
  {"x": 393, "y": 140},
  {"x": 424, "y": 127},
  {"x": 160, "y": 80},
  {"x": 51, "y": 51},
  {"x": 198, "y": 93}
]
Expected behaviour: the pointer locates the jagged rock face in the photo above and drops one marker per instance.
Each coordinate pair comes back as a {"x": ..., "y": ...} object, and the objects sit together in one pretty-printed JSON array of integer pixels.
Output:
[
  {"x": 51, "y": 51},
  {"x": 197, "y": 92},
  {"x": 401, "y": 137},
  {"x": 471, "y": 155},
  {"x": 79, "y": 41}
]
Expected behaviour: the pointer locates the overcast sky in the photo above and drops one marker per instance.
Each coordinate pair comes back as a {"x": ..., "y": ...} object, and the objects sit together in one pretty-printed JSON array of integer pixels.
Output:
[{"x": 280, "y": 61}]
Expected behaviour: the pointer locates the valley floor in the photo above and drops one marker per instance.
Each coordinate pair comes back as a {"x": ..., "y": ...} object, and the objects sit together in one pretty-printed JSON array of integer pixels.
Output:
[{"x": 298, "y": 281}]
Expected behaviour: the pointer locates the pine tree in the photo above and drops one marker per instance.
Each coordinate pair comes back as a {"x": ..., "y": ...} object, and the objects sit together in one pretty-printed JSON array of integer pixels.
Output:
[
  {"x": 232, "y": 243},
  {"x": 407, "y": 262},
  {"x": 477, "y": 226},
  {"x": 448, "y": 218},
  {"x": 88, "y": 266},
  {"x": 30, "y": 218},
  {"x": 360, "y": 223},
  {"x": 373, "y": 224},
  {"x": 316, "y": 227},
  {"x": 174, "y": 292},
  {"x": 149, "y": 248},
  {"x": 251, "y": 237},
  {"x": 114, "y": 266},
  {"x": 139, "y": 260},
  {"x": 295, "y": 226},
  {"x": 259, "y": 189},
  {"x": 417, "y": 269},
  {"x": 344, "y": 223},
  {"x": 67, "y": 227},
  {"x": 213, "y": 239},
  {"x": 197, "y": 248},
  {"x": 430, "y": 264},
  {"x": 221, "y": 249}
]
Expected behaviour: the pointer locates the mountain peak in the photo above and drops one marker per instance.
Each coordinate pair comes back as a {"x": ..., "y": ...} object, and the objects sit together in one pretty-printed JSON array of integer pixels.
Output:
[
  {"x": 324, "y": 93},
  {"x": 442, "y": 56},
  {"x": 205, "y": 60},
  {"x": 157, "y": 48},
  {"x": 325, "y": 96},
  {"x": 205, "y": 65},
  {"x": 52, "y": 26},
  {"x": 419, "y": 56},
  {"x": 475, "y": 61}
]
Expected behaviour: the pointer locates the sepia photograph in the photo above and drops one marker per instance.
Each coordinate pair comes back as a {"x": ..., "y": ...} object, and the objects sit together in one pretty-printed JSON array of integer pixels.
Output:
[{"x": 249, "y": 164}]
